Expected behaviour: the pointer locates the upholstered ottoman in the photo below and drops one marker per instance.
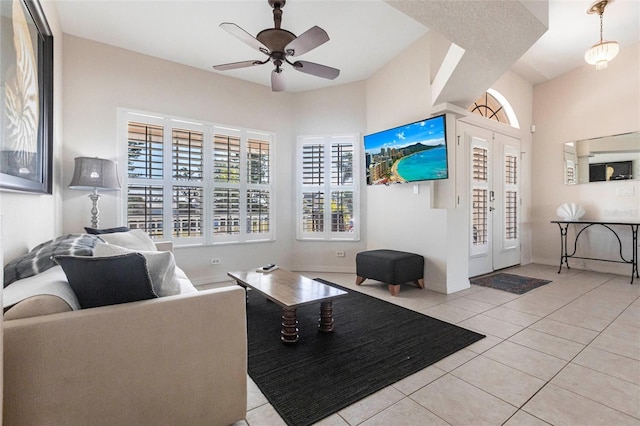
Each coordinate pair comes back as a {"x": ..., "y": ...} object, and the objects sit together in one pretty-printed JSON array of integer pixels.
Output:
[{"x": 391, "y": 267}]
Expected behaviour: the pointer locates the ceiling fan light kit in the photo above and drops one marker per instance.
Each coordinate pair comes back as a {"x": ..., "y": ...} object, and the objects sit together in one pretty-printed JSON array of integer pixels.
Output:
[
  {"x": 279, "y": 45},
  {"x": 604, "y": 51}
]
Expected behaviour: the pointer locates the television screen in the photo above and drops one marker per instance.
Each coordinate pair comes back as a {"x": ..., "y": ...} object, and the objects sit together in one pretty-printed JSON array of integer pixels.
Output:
[{"x": 408, "y": 153}]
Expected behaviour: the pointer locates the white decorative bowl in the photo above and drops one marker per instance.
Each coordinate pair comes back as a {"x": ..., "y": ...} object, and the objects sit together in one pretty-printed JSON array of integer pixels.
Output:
[{"x": 570, "y": 211}]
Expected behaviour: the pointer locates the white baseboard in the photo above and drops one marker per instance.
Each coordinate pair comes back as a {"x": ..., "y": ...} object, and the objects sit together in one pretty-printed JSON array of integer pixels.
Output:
[
  {"x": 211, "y": 280},
  {"x": 214, "y": 279},
  {"x": 321, "y": 268}
]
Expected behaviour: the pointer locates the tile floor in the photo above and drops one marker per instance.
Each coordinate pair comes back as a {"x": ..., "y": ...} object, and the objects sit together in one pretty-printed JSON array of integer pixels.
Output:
[{"x": 567, "y": 353}]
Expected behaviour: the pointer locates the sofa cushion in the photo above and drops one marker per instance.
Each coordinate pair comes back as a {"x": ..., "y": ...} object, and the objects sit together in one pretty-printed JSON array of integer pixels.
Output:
[
  {"x": 135, "y": 239},
  {"x": 96, "y": 231},
  {"x": 39, "y": 258},
  {"x": 100, "y": 281},
  {"x": 161, "y": 266}
]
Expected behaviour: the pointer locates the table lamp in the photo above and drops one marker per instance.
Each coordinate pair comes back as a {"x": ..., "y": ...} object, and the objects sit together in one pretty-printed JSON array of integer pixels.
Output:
[{"x": 91, "y": 173}]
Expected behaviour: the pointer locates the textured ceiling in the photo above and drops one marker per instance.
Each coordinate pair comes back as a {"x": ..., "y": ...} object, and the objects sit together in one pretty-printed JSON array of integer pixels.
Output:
[{"x": 492, "y": 35}]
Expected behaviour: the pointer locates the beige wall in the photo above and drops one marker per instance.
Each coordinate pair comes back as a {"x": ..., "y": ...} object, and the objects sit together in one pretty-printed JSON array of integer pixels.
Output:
[
  {"x": 333, "y": 110},
  {"x": 398, "y": 218},
  {"x": 583, "y": 104},
  {"x": 519, "y": 93},
  {"x": 99, "y": 79},
  {"x": 28, "y": 219}
]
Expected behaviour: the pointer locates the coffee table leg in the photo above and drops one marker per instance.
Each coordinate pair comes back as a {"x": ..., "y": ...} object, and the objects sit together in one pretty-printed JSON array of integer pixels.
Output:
[
  {"x": 289, "y": 333},
  {"x": 325, "y": 323}
]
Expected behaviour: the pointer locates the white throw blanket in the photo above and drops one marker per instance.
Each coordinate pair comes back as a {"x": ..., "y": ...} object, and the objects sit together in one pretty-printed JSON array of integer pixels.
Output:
[{"x": 53, "y": 281}]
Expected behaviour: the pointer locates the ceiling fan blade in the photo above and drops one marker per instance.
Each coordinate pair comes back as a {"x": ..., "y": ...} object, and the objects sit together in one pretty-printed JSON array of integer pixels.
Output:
[
  {"x": 277, "y": 81},
  {"x": 316, "y": 69},
  {"x": 236, "y": 65},
  {"x": 244, "y": 36},
  {"x": 308, "y": 40}
]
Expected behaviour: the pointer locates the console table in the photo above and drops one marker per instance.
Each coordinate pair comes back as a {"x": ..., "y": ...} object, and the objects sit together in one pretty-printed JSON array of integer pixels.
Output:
[{"x": 564, "y": 256}]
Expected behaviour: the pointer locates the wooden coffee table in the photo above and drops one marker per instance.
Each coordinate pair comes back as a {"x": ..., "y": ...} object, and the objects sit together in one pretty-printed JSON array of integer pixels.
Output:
[{"x": 291, "y": 290}]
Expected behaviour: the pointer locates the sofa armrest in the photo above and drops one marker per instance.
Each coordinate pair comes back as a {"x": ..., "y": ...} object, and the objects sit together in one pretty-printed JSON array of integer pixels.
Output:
[{"x": 172, "y": 360}]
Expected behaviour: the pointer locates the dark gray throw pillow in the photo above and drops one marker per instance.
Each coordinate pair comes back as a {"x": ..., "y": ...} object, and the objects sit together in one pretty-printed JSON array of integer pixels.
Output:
[
  {"x": 96, "y": 231},
  {"x": 101, "y": 281}
]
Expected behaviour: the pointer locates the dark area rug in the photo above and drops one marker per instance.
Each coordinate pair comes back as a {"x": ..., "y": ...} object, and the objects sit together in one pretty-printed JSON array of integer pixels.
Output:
[
  {"x": 374, "y": 344},
  {"x": 509, "y": 282}
]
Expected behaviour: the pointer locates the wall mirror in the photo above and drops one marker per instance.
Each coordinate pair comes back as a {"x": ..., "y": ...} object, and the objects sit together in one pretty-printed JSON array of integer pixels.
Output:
[{"x": 607, "y": 158}]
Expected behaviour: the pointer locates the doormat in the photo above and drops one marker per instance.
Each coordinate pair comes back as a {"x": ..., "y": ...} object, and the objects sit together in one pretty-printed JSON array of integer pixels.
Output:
[
  {"x": 508, "y": 282},
  {"x": 374, "y": 344}
]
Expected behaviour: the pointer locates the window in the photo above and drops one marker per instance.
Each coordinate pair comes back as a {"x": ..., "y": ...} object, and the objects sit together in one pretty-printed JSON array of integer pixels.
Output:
[
  {"x": 494, "y": 106},
  {"x": 197, "y": 183},
  {"x": 327, "y": 207},
  {"x": 488, "y": 106}
]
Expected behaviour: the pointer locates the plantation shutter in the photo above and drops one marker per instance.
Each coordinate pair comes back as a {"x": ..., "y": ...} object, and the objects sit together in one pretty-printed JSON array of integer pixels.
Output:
[
  {"x": 480, "y": 182},
  {"x": 258, "y": 179},
  {"x": 326, "y": 195},
  {"x": 187, "y": 196},
  {"x": 145, "y": 153},
  {"x": 511, "y": 197},
  {"x": 198, "y": 183}
]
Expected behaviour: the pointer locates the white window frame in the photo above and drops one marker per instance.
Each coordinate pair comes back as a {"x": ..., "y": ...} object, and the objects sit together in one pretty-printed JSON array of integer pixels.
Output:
[
  {"x": 209, "y": 129},
  {"x": 327, "y": 187}
]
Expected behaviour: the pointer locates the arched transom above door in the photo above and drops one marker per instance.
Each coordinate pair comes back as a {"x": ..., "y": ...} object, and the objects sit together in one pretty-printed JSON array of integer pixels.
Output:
[{"x": 494, "y": 106}]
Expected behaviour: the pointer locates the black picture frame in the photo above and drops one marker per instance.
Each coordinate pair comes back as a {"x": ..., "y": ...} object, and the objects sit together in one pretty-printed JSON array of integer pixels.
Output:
[{"x": 21, "y": 169}]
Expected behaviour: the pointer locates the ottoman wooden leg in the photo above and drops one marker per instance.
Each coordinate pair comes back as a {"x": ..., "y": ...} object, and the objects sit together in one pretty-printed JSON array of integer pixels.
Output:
[
  {"x": 419, "y": 283},
  {"x": 359, "y": 280},
  {"x": 394, "y": 289}
]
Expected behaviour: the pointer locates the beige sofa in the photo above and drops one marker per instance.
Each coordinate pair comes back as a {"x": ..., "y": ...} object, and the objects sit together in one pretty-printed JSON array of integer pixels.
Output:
[{"x": 172, "y": 360}]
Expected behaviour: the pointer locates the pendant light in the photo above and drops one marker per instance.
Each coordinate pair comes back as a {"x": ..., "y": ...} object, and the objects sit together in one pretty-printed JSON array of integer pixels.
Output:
[{"x": 602, "y": 52}]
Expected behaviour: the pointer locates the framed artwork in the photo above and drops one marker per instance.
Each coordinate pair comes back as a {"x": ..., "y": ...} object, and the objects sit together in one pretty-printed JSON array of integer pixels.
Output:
[{"x": 26, "y": 97}]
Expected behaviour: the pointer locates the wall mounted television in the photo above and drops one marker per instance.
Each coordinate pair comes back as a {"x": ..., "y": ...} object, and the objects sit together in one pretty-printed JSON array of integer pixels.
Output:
[{"x": 408, "y": 153}]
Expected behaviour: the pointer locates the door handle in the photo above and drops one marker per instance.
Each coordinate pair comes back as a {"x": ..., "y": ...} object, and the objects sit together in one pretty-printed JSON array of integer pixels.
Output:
[{"x": 491, "y": 209}]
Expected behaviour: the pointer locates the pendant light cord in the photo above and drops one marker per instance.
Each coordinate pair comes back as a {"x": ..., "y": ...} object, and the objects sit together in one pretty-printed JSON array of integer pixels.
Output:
[{"x": 601, "y": 13}]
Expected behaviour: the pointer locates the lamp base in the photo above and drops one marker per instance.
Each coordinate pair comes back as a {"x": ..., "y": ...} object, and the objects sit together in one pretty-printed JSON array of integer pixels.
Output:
[{"x": 94, "y": 197}]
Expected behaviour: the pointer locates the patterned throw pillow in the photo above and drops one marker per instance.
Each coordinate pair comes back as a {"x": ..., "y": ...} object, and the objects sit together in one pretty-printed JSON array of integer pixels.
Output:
[{"x": 39, "y": 259}]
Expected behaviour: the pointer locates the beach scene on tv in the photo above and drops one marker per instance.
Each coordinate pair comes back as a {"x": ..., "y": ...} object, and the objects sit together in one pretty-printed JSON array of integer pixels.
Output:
[{"x": 409, "y": 153}]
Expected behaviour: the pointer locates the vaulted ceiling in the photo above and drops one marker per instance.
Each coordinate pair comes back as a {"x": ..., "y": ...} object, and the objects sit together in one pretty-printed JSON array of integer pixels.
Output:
[{"x": 486, "y": 38}]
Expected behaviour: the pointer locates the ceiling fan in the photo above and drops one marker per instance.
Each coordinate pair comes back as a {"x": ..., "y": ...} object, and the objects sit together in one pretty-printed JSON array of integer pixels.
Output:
[{"x": 279, "y": 45}]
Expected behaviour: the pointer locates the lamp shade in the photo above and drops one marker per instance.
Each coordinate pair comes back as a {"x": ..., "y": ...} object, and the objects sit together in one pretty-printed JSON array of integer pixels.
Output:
[
  {"x": 93, "y": 172},
  {"x": 601, "y": 53}
]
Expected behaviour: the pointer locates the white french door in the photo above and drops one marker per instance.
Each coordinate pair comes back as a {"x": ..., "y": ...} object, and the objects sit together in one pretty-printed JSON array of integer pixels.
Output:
[{"x": 494, "y": 199}]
